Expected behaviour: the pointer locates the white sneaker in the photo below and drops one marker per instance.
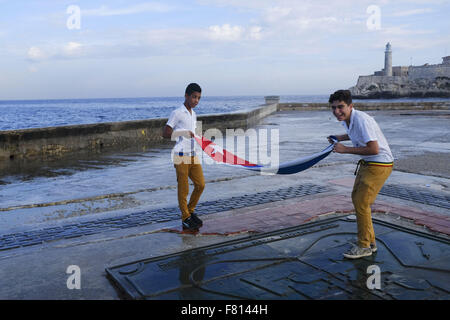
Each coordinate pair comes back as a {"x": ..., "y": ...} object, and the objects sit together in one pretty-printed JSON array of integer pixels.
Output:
[
  {"x": 373, "y": 246},
  {"x": 357, "y": 252}
]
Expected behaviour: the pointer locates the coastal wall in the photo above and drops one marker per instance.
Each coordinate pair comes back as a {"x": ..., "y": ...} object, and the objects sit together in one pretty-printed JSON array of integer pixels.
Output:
[
  {"x": 55, "y": 142},
  {"x": 415, "y": 85},
  {"x": 302, "y": 106},
  {"x": 429, "y": 71}
]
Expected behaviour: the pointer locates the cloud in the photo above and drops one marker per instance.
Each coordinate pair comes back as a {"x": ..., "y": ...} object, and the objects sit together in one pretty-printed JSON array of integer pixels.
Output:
[
  {"x": 249, "y": 4},
  {"x": 412, "y": 12},
  {"x": 72, "y": 49},
  {"x": 36, "y": 54},
  {"x": 413, "y": 43},
  {"x": 274, "y": 14},
  {"x": 226, "y": 32},
  {"x": 403, "y": 30},
  {"x": 230, "y": 33},
  {"x": 255, "y": 33},
  {"x": 288, "y": 18},
  {"x": 69, "y": 50},
  {"x": 135, "y": 9}
]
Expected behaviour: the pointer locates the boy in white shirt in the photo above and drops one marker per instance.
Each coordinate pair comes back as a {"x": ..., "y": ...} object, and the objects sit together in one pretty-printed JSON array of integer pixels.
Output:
[
  {"x": 374, "y": 167},
  {"x": 181, "y": 127}
]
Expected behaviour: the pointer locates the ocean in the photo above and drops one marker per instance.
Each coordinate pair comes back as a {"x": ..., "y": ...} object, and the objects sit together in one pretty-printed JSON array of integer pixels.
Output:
[{"x": 25, "y": 114}]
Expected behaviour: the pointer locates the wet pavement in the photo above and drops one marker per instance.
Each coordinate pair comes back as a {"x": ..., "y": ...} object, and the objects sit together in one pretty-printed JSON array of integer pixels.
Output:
[
  {"x": 83, "y": 228},
  {"x": 303, "y": 262},
  {"x": 101, "y": 212}
]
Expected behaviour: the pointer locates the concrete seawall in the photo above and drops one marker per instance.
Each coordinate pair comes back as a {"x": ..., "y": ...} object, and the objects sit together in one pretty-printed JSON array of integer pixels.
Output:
[
  {"x": 306, "y": 106},
  {"x": 56, "y": 142}
]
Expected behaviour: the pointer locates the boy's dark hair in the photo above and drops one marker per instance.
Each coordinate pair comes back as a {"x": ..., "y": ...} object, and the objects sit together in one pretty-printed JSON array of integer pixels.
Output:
[
  {"x": 341, "y": 95},
  {"x": 193, "y": 87}
]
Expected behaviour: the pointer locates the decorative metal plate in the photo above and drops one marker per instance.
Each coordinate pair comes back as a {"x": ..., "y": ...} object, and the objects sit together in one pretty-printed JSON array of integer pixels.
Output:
[{"x": 303, "y": 262}]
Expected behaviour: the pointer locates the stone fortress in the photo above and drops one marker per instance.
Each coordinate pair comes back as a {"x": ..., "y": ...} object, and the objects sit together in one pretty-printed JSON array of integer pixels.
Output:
[{"x": 405, "y": 81}]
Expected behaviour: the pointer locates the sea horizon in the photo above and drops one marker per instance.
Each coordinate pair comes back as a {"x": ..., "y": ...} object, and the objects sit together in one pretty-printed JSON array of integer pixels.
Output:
[{"x": 42, "y": 113}]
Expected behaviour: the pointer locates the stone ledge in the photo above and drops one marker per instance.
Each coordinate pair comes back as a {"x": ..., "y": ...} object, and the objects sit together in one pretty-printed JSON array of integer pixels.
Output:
[{"x": 57, "y": 142}]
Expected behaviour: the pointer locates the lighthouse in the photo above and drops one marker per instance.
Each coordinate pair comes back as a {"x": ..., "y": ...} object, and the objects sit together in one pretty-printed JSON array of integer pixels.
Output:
[{"x": 388, "y": 60}]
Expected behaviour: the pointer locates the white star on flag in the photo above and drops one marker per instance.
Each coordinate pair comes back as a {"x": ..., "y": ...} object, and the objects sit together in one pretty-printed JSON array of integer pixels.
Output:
[{"x": 216, "y": 148}]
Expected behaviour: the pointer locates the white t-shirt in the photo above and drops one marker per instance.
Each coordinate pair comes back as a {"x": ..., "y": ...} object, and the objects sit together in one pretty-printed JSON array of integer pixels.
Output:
[
  {"x": 363, "y": 128},
  {"x": 182, "y": 119}
]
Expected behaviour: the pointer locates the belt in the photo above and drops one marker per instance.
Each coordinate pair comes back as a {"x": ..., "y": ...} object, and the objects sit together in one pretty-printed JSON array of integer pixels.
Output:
[
  {"x": 191, "y": 154},
  {"x": 372, "y": 163}
]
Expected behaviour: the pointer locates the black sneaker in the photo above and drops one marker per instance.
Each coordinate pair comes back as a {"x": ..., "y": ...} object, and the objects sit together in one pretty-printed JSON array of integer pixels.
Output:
[
  {"x": 196, "y": 219},
  {"x": 189, "y": 224}
]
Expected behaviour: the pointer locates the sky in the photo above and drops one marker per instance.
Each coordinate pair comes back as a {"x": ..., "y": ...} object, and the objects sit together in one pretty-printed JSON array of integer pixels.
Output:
[{"x": 57, "y": 49}]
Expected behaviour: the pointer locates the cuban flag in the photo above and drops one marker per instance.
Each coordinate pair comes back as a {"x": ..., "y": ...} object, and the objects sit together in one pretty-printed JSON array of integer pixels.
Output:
[{"x": 221, "y": 155}]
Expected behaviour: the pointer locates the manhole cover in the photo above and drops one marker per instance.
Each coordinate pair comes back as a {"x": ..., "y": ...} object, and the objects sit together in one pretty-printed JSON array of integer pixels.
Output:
[{"x": 304, "y": 262}]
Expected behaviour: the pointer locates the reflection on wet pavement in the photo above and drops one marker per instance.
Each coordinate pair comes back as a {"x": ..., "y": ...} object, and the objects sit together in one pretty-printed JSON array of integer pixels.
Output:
[{"x": 303, "y": 262}]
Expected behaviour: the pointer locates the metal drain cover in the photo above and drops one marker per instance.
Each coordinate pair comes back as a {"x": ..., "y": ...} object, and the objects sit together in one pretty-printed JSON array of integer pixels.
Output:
[{"x": 303, "y": 262}]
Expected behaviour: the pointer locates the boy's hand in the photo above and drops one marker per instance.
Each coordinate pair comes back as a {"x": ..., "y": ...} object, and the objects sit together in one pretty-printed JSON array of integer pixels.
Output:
[
  {"x": 330, "y": 139},
  {"x": 340, "y": 148}
]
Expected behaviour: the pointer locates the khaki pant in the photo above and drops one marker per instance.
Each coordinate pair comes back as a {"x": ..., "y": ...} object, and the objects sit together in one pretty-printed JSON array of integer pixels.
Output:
[
  {"x": 368, "y": 183},
  {"x": 188, "y": 167}
]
